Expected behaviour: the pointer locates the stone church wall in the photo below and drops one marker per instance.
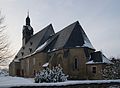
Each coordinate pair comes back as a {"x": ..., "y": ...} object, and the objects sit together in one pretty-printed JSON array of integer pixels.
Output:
[
  {"x": 72, "y": 61},
  {"x": 97, "y": 74}
]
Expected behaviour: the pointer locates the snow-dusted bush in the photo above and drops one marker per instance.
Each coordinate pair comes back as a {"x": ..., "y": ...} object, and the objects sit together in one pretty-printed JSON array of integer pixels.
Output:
[
  {"x": 48, "y": 75},
  {"x": 109, "y": 72},
  {"x": 4, "y": 72},
  {"x": 112, "y": 71}
]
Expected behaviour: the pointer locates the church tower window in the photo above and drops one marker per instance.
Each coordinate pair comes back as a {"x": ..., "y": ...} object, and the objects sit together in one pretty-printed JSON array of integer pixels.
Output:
[
  {"x": 22, "y": 53},
  {"x": 23, "y": 47},
  {"x": 31, "y": 43},
  {"x": 30, "y": 49}
]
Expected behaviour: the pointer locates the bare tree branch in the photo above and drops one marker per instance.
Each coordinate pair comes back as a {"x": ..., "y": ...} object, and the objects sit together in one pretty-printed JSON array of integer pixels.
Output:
[{"x": 5, "y": 52}]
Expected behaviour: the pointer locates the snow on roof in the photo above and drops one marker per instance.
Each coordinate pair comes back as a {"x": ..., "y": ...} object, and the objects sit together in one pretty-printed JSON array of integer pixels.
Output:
[
  {"x": 88, "y": 44},
  {"x": 16, "y": 60},
  {"x": 92, "y": 62},
  {"x": 41, "y": 47},
  {"x": 53, "y": 49},
  {"x": 106, "y": 60},
  {"x": 77, "y": 46},
  {"x": 45, "y": 65},
  {"x": 49, "y": 50},
  {"x": 38, "y": 49}
]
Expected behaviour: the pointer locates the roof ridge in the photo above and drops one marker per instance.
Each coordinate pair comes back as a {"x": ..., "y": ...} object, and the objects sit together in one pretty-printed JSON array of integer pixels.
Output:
[
  {"x": 64, "y": 35},
  {"x": 43, "y": 29},
  {"x": 76, "y": 23},
  {"x": 67, "y": 26}
]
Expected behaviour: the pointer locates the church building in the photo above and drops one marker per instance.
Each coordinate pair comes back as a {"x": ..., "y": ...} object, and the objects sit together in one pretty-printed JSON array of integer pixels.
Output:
[{"x": 70, "y": 48}]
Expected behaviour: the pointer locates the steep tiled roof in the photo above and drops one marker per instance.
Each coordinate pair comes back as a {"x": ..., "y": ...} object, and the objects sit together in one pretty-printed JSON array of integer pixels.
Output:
[
  {"x": 70, "y": 37},
  {"x": 35, "y": 41},
  {"x": 46, "y": 40}
]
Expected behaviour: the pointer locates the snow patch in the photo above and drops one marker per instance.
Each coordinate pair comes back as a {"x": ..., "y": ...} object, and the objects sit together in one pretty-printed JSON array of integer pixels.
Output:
[
  {"x": 105, "y": 60},
  {"x": 29, "y": 55},
  {"x": 41, "y": 47},
  {"x": 54, "y": 49},
  {"x": 92, "y": 62},
  {"x": 88, "y": 44},
  {"x": 48, "y": 50},
  {"x": 77, "y": 46},
  {"x": 45, "y": 65},
  {"x": 16, "y": 60}
]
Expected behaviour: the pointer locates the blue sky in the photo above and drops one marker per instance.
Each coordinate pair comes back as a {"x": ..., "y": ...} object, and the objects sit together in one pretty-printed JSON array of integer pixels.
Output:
[{"x": 100, "y": 20}]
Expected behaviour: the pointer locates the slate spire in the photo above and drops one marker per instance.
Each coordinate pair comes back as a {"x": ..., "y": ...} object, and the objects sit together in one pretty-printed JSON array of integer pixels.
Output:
[
  {"x": 27, "y": 30},
  {"x": 28, "y": 19}
]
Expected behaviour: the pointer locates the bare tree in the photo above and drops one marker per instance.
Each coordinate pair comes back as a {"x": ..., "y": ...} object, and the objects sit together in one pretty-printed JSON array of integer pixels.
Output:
[{"x": 5, "y": 52}]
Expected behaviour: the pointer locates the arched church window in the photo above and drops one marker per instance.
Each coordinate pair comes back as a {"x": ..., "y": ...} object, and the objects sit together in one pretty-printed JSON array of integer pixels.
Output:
[{"x": 76, "y": 63}]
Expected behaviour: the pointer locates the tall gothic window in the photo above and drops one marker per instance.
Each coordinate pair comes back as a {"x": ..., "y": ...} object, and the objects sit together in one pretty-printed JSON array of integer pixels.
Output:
[
  {"x": 76, "y": 63},
  {"x": 34, "y": 72}
]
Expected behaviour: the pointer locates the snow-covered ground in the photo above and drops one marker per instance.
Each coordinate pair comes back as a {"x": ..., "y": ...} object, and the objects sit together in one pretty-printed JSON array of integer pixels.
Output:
[{"x": 8, "y": 81}]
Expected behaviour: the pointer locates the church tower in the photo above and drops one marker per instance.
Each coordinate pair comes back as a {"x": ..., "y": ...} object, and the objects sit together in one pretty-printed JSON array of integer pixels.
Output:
[{"x": 27, "y": 31}]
